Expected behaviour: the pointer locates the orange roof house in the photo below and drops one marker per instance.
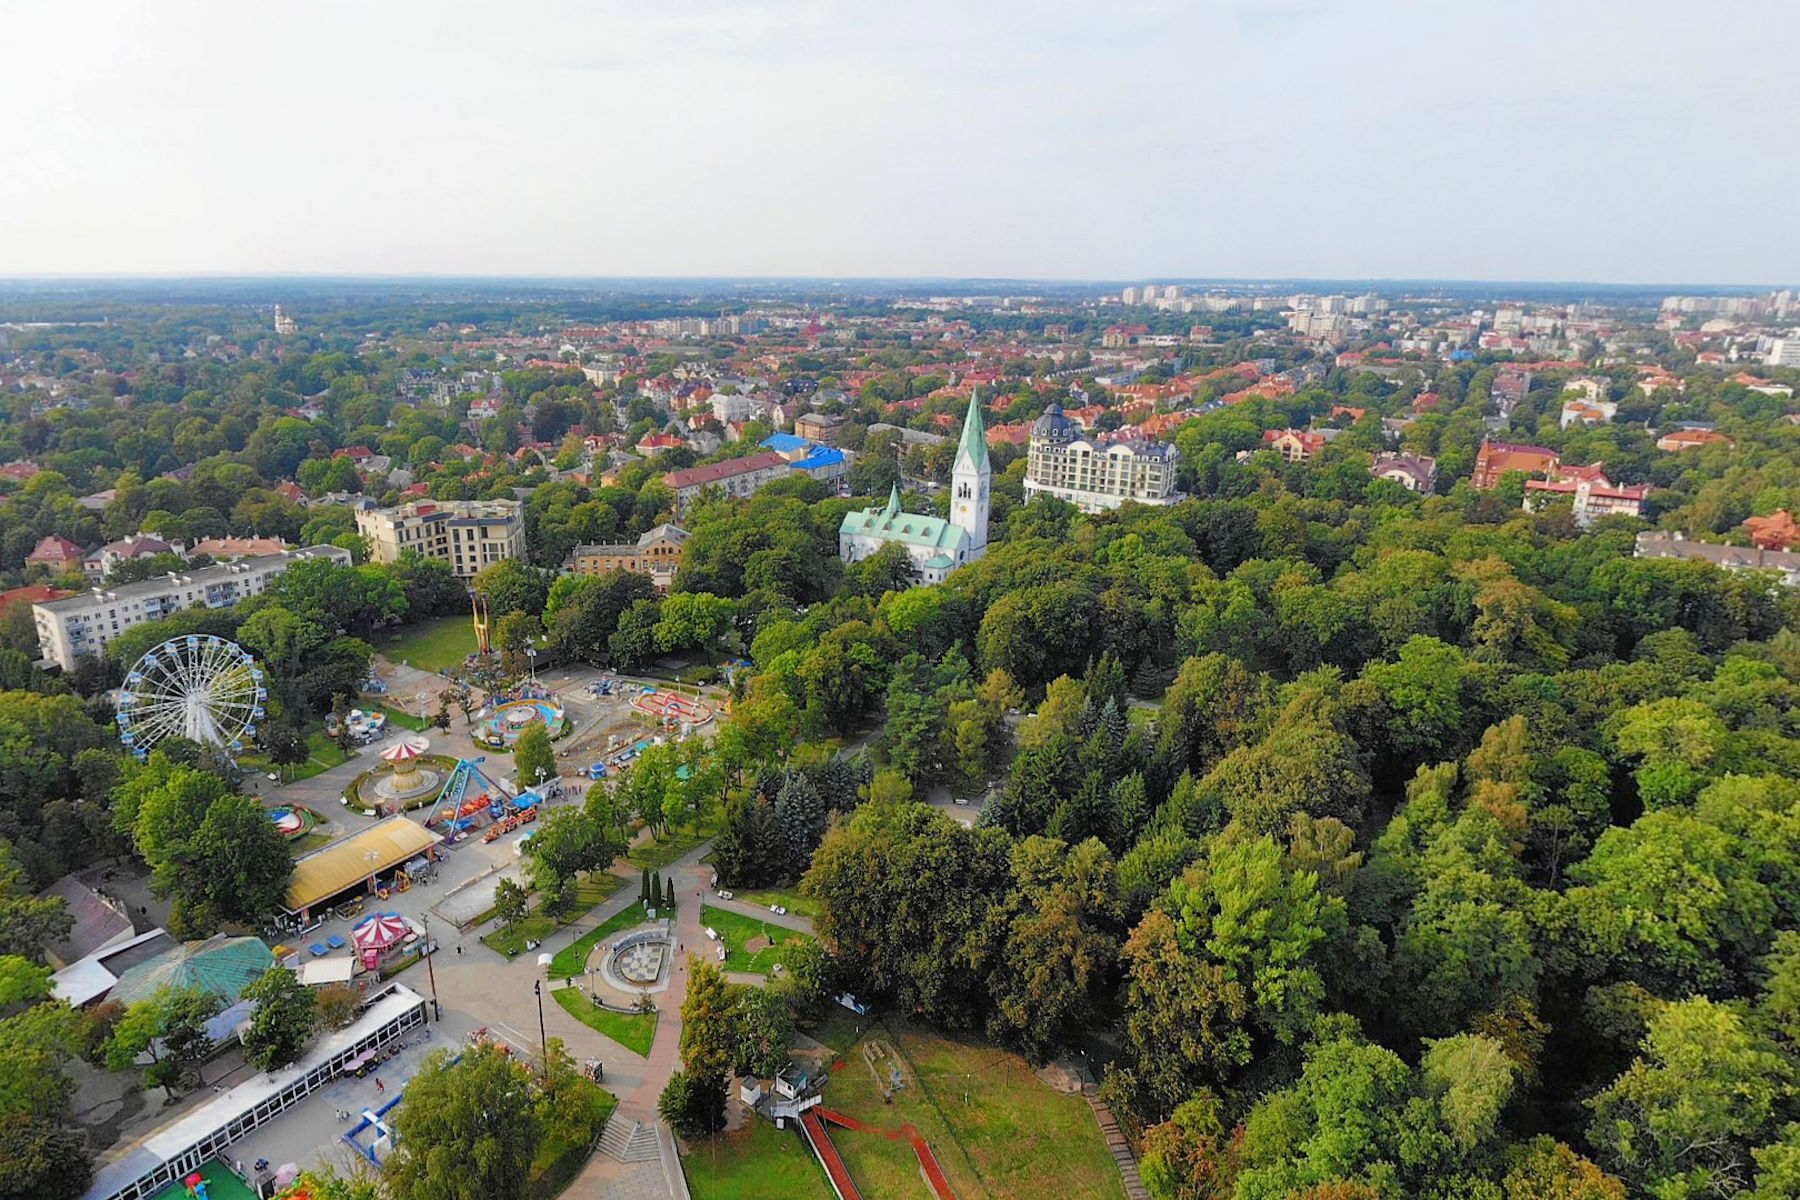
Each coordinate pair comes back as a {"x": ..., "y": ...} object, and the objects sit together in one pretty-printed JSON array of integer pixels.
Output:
[
  {"x": 1687, "y": 439},
  {"x": 1497, "y": 458},
  {"x": 53, "y": 552},
  {"x": 1776, "y": 531}
]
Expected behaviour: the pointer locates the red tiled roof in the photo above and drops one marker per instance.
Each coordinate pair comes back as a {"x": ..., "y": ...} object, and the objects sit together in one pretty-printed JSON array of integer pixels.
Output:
[{"x": 714, "y": 472}]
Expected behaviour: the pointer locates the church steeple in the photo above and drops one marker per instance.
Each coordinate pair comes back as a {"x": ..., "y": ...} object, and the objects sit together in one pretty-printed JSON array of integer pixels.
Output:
[
  {"x": 973, "y": 446},
  {"x": 969, "y": 480}
]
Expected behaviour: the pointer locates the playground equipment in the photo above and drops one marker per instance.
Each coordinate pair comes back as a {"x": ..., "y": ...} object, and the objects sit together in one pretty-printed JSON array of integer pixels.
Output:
[
  {"x": 672, "y": 708},
  {"x": 409, "y": 779},
  {"x": 469, "y": 800},
  {"x": 203, "y": 688},
  {"x": 516, "y": 711}
]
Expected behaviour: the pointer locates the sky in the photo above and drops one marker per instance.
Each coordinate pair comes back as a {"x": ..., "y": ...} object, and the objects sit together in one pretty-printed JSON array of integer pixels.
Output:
[{"x": 1629, "y": 141}]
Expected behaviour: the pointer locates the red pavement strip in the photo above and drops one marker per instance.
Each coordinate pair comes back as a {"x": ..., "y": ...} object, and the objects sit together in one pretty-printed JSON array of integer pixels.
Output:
[{"x": 928, "y": 1163}]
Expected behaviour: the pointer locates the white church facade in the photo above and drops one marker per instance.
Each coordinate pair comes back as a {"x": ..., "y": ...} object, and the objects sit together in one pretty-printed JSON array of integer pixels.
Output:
[{"x": 936, "y": 546}]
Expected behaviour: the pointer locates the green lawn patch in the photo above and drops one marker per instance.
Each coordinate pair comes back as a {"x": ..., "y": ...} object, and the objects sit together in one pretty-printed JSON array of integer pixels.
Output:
[
  {"x": 796, "y": 904},
  {"x": 634, "y": 1031},
  {"x": 996, "y": 1128},
  {"x": 434, "y": 645},
  {"x": 306, "y": 843},
  {"x": 664, "y": 850},
  {"x": 758, "y": 1162},
  {"x": 406, "y": 720},
  {"x": 589, "y": 891},
  {"x": 736, "y": 930},
  {"x": 571, "y": 960}
]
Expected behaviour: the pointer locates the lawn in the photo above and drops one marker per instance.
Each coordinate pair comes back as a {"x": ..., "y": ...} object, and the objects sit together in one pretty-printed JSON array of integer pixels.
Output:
[
  {"x": 589, "y": 891},
  {"x": 997, "y": 1129},
  {"x": 664, "y": 850},
  {"x": 405, "y": 720},
  {"x": 434, "y": 645},
  {"x": 759, "y": 1162},
  {"x": 793, "y": 901},
  {"x": 735, "y": 930},
  {"x": 634, "y": 1031},
  {"x": 571, "y": 960},
  {"x": 322, "y": 755}
]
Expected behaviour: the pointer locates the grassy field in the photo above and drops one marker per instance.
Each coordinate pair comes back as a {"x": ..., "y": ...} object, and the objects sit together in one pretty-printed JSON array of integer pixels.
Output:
[
  {"x": 322, "y": 755},
  {"x": 589, "y": 891},
  {"x": 634, "y": 1031},
  {"x": 434, "y": 645},
  {"x": 666, "y": 849},
  {"x": 571, "y": 960},
  {"x": 997, "y": 1130},
  {"x": 735, "y": 930},
  {"x": 788, "y": 898},
  {"x": 758, "y": 1162},
  {"x": 406, "y": 720}
]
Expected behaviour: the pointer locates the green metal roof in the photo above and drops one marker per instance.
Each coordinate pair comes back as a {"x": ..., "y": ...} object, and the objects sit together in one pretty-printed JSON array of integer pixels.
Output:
[
  {"x": 222, "y": 966},
  {"x": 974, "y": 434},
  {"x": 890, "y": 524}
]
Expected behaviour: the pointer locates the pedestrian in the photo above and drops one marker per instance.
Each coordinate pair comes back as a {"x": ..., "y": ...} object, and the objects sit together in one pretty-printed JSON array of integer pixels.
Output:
[
  {"x": 459, "y": 947},
  {"x": 380, "y": 1086}
]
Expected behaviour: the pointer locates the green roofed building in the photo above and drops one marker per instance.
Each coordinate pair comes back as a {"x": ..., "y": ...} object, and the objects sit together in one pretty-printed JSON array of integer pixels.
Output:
[
  {"x": 220, "y": 965},
  {"x": 935, "y": 545}
]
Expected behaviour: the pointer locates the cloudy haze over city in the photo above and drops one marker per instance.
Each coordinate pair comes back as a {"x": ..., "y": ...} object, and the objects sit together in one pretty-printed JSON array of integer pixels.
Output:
[{"x": 1611, "y": 140}]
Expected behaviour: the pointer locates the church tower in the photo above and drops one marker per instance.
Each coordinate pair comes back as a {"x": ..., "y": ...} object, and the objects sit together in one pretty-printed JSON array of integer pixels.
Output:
[{"x": 970, "y": 479}]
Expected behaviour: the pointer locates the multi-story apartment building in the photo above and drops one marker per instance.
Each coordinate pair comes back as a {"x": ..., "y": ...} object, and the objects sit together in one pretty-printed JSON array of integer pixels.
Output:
[
  {"x": 80, "y": 625},
  {"x": 1092, "y": 475},
  {"x": 468, "y": 534},
  {"x": 734, "y": 476},
  {"x": 656, "y": 554}
]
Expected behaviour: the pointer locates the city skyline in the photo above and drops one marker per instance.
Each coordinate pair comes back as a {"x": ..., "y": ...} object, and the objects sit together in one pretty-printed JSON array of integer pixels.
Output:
[{"x": 1609, "y": 142}]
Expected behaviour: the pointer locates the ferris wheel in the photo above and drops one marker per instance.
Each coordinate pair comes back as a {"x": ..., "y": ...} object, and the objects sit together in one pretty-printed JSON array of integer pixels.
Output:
[{"x": 199, "y": 687}]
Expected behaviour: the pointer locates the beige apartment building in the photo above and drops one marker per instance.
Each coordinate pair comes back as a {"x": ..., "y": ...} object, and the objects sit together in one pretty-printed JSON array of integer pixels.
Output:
[
  {"x": 468, "y": 534},
  {"x": 1095, "y": 476}
]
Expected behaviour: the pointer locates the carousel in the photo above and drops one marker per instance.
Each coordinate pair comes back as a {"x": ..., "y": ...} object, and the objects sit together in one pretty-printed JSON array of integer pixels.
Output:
[{"x": 408, "y": 778}]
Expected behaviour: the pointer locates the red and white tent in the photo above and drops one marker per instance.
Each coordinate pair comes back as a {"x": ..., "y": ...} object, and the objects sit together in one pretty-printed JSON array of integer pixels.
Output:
[
  {"x": 377, "y": 933},
  {"x": 406, "y": 749}
]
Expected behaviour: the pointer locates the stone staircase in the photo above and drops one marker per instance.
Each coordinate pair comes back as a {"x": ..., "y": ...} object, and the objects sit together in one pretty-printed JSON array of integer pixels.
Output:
[
  {"x": 1116, "y": 1144},
  {"x": 630, "y": 1142}
]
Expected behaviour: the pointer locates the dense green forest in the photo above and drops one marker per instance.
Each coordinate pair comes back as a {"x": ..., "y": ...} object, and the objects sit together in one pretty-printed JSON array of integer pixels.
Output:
[{"x": 1371, "y": 844}]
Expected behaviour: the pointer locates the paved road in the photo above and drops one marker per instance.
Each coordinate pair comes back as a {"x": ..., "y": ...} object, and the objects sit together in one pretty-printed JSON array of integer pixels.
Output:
[{"x": 761, "y": 912}]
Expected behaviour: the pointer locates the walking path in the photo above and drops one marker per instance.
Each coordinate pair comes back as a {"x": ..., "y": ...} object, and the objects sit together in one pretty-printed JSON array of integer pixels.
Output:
[{"x": 638, "y": 1082}]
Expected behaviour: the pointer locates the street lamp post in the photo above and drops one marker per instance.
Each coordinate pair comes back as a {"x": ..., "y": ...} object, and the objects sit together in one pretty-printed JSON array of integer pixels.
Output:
[
  {"x": 430, "y": 953},
  {"x": 537, "y": 988},
  {"x": 373, "y": 857},
  {"x": 531, "y": 655}
]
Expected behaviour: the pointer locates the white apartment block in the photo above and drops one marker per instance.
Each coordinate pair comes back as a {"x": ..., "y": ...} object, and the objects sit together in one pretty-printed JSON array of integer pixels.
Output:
[
  {"x": 76, "y": 626},
  {"x": 1094, "y": 476},
  {"x": 468, "y": 534},
  {"x": 1783, "y": 352}
]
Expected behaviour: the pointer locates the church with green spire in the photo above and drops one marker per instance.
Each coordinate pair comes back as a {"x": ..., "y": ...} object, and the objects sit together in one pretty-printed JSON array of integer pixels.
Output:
[{"x": 935, "y": 545}]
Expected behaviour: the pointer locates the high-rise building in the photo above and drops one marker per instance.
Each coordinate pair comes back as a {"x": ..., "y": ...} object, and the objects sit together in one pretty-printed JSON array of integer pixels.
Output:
[{"x": 468, "y": 534}]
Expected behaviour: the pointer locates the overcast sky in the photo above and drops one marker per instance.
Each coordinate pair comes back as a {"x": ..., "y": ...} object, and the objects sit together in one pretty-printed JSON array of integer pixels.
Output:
[{"x": 1598, "y": 140}]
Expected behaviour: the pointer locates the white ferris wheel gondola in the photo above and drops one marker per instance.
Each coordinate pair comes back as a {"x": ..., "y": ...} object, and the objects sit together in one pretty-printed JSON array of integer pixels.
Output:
[{"x": 203, "y": 688}]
